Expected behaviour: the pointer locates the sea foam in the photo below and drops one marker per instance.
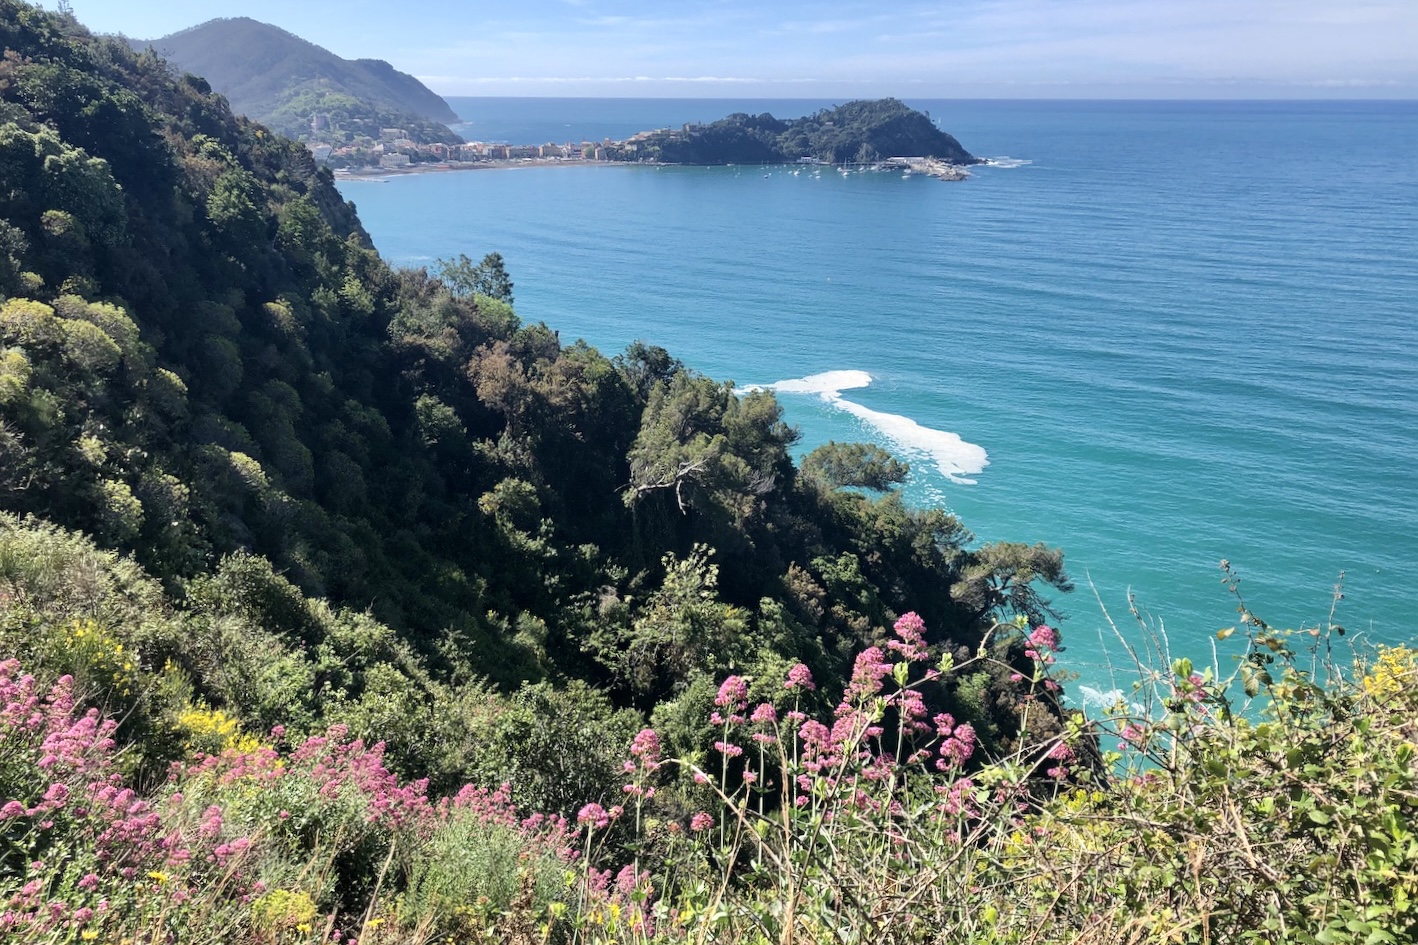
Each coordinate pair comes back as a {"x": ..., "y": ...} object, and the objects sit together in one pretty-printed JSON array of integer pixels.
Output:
[{"x": 956, "y": 459}]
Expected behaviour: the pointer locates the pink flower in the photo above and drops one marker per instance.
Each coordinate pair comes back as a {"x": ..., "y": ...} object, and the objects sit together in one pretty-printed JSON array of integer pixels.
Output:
[
  {"x": 765, "y": 714},
  {"x": 628, "y": 880},
  {"x": 1044, "y": 637},
  {"x": 701, "y": 821},
  {"x": 728, "y": 750},
  {"x": 910, "y": 637},
  {"x": 867, "y": 673},
  {"x": 815, "y": 734},
  {"x": 958, "y": 795},
  {"x": 646, "y": 747},
  {"x": 913, "y": 706},
  {"x": 957, "y": 749},
  {"x": 593, "y": 815},
  {"x": 799, "y": 677},
  {"x": 11, "y": 810},
  {"x": 733, "y": 693}
]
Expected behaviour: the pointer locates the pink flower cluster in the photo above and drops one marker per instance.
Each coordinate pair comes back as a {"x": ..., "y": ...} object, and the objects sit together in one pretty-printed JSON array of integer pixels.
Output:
[
  {"x": 594, "y": 816},
  {"x": 957, "y": 742},
  {"x": 194, "y": 841},
  {"x": 80, "y": 800},
  {"x": 910, "y": 639},
  {"x": 643, "y": 762},
  {"x": 1041, "y": 644},
  {"x": 1061, "y": 754},
  {"x": 868, "y": 672},
  {"x": 732, "y": 697},
  {"x": 799, "y": 677}
]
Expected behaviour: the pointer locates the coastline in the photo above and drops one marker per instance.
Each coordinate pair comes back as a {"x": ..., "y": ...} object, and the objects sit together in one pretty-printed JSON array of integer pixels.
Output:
[
  {"x": 368, "y": 173},
  {"x": 941, "y": 170}
]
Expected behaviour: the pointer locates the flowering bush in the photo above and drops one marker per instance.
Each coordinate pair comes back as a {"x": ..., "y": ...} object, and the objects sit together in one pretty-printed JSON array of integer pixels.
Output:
[{"x": 1274, "y": 803}]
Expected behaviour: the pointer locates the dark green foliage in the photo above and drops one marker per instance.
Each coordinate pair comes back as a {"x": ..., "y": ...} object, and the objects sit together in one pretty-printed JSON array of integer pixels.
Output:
[
  {"x": 558, "y": 748},
  {"x": 377, "y": 496},
  {"x": 488, "y": 277},
  {"x": 1001, "y": 577},
  {"x": 860, "y": 131},
  {"x": 855, "y": 465}
]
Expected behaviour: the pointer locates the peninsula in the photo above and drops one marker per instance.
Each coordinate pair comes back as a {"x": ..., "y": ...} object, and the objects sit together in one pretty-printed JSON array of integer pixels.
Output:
[
  {"x": 884, "y": 134},
  {"x": 859, "y": 132}
]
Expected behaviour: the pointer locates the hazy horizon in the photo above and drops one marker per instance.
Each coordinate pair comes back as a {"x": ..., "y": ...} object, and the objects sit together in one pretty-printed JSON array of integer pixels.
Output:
[{"x": 978, "y": 49}]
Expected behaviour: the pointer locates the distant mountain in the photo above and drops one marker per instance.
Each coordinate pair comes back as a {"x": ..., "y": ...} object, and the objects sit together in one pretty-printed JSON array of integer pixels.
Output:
[
  {"x": 861, "y": 131},
  {"x": 286, "y": 82}
]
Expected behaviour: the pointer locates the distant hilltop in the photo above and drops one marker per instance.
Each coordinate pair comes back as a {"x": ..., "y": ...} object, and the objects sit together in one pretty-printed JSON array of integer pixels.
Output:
[
  {"x": 301, "y": 90},
  {"x": 860, "y": 132}
]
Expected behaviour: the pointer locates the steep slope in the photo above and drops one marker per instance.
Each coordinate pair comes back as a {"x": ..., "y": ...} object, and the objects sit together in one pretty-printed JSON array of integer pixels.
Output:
[
  {"x": 204, "y": 365},
  {"x": 282, "y": 80}
]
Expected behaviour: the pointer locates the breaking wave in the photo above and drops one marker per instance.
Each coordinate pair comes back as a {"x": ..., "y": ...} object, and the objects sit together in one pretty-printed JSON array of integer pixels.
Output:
[{"x": 956, "y": 459}]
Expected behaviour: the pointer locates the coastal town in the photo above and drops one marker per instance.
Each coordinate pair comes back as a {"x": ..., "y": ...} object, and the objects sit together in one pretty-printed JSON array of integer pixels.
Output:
[{"x": 395, "y": 152}]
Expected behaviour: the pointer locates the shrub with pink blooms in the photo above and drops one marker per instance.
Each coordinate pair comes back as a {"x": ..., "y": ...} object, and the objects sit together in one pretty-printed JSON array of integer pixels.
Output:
[
  {"x": 1283, "y": 794},
  {"x": 240, "y": 841}
]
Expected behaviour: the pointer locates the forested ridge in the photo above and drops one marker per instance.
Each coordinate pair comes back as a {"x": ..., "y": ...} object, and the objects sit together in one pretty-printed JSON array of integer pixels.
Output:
[
  {"x": 208, "y": 367},
  {"x": 284, "y": 81},
  {"x": 341, "y": 604}
]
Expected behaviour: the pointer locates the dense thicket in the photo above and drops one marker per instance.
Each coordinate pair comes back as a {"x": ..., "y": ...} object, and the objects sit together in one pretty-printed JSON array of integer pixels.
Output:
[
  {"x": 860, "y": 131},
  {"x": 205, "y": 365}
]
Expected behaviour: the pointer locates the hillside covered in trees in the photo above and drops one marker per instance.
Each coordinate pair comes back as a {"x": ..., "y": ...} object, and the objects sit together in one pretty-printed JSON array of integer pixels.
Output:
[
  {"x": 287, "y": 83},
  {"x": 857, "y": 132},
  {"x": 208, "y": 368}
]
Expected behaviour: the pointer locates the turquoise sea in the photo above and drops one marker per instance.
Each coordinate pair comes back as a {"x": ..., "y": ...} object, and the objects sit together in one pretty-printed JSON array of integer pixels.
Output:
[{"x": 1158, "y": 334}]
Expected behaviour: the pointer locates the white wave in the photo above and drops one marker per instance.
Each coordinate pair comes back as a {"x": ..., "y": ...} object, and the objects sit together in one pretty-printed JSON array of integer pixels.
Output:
[
  {"x": 1099, "y": 698},
  {"x": 1006, "y": 162},
  {"x": 828, "y": 382},
  {"x": 954, "y": 457}
]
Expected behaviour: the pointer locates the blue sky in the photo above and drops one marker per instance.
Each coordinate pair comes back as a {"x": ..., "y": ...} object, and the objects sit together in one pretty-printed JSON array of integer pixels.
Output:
[{"x": 827, "y": 48}]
